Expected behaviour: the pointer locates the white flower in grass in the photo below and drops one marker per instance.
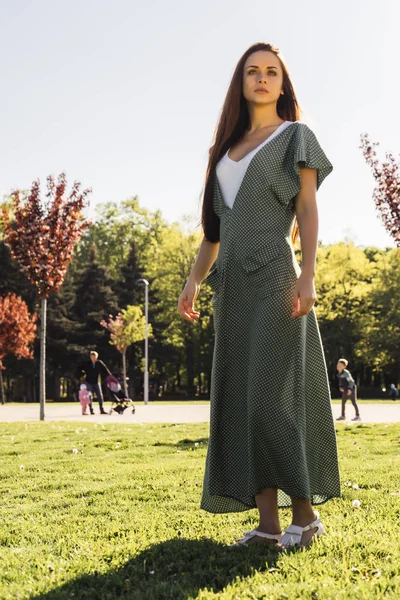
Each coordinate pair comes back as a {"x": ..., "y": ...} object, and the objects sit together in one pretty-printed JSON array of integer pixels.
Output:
[
  {"x": 348, "y": 483},
  {"x": 356, "y": 504},
  {"x": 75, "y": 451},
  {"x": 196, "y": 444},
  {"x": 21, "y": 467},
  {"x": 355, "y": 486}
]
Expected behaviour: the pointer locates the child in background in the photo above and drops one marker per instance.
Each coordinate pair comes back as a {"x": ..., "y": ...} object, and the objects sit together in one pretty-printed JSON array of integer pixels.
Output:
[
  {"x": 85, "y": 398},
  {"x": 348, "y": 388}
]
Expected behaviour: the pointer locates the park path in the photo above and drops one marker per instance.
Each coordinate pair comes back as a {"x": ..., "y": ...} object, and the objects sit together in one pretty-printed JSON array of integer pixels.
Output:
[{"x": 371, "y": 413}]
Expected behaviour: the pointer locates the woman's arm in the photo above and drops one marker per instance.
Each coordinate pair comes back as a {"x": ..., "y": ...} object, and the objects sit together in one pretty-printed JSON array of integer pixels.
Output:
[
  {"x": 307, "y": 218},
  {"x": 206, "y": 257}
]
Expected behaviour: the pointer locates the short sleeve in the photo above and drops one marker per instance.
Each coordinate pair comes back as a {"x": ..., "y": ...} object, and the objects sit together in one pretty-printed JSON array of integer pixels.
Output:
[
  {"x": 303, "y": 151},
  {"x": 310, "y": 154}
]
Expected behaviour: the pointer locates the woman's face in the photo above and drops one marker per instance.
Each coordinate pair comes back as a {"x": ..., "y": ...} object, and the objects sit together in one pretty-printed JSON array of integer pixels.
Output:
[
  {"x": 262, "y": 78},
  {"x": 340, "y": 367}
]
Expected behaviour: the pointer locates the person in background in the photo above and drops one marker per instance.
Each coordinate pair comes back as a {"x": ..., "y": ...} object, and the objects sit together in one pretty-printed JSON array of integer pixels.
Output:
[
  {"x": 95, "y": 371},
  {"x": 348, "y": 388},
  {"x": 394, "y": 392},
  {"x": 85, "y": 398}
]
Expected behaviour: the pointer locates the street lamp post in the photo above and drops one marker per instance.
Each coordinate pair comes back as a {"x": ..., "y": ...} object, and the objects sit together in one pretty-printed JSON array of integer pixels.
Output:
[{"x": 146, "y": 341}]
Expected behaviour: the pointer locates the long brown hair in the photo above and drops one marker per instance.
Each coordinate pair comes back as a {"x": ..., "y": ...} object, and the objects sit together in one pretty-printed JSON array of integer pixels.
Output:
[{"x": 231, "y": 127}]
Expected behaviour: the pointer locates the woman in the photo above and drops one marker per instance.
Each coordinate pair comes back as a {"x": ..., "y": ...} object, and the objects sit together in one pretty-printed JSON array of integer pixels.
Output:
[{"x": 272, "y": 437}]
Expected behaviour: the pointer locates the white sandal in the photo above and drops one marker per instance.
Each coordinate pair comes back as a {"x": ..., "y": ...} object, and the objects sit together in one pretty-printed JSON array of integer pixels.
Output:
[
  {"x": 248, "y": 535},
  {"x": 293, "y": 533}
]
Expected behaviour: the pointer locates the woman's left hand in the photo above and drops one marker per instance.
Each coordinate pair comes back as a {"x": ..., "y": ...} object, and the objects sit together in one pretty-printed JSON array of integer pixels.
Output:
[{"x": 304, "y": 296}]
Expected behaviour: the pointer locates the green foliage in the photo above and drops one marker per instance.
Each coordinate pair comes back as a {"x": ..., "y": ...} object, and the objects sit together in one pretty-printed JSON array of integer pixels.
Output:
[
  {"x": 127, "y": 328},
  {"x": 381, "y": 323},
  {"x": 94, "y": 300},
  {"x": 169, "y": 270},
  {"x": 343, "y": 282},
  {"x": 134, "y": 325},
  {"x": 358, "y": 293},
  {"x": 115, "y": 227}
]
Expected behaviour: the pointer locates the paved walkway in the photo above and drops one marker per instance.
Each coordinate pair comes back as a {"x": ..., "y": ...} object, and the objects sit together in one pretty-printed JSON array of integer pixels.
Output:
[{"x": 371, "y": 413}]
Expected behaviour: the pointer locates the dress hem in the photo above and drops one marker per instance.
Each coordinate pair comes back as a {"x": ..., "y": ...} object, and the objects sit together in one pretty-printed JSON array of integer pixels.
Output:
[{"x": 251, "y": 507}]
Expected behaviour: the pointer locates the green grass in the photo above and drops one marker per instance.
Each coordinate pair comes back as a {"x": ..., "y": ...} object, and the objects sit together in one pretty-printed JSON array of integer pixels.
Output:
[{"x": 120, "y": 519}]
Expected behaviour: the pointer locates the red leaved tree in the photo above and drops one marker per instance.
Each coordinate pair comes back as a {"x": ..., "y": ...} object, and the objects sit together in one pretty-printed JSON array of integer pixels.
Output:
[
  {"x": 387, "y": 190},
  {"x": 42, "y": 236},
  {"x": 17, "y": 331}
]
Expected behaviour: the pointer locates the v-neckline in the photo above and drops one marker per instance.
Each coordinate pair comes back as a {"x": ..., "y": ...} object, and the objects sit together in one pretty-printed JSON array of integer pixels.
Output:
[
  {"x": 225, "y": 206},
  {"x": 272, "y": 135}
]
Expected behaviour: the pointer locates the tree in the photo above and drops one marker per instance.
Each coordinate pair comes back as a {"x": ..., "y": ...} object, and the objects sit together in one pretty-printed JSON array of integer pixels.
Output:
[
  {"x": 343, "y": 282},
  {"x": 387, "y": 191},
  {"x": 381, "y": 324},
  {"x": 95, "y": 299},
  {"x": 42, "y": 236},
  {"x": 17, "y": 331},
  {"x": 125, "y": 329},
  {"x": 114, "y": 228},
  {"x": 170, "y": 268},
  {"x": 126, "y": 288}
]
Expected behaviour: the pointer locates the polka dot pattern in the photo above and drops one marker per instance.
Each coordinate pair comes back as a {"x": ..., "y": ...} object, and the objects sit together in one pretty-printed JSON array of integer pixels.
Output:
[{"x": 271, "y": 420}]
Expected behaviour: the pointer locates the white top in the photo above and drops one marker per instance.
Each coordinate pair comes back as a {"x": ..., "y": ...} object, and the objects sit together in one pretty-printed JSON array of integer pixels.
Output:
[{"x": 230, "y": 173}]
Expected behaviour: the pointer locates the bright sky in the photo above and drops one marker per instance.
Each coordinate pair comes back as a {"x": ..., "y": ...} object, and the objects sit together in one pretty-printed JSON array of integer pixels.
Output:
[{"x": 124, "y": 95}]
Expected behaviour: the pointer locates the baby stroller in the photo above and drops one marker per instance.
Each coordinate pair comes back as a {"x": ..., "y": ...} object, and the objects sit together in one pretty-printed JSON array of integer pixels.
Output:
[{"x": 119, "y": 402}]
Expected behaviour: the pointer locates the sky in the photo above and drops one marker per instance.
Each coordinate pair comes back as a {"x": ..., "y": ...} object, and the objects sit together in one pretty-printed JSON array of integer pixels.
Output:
[{"x": 124, "y": 96}]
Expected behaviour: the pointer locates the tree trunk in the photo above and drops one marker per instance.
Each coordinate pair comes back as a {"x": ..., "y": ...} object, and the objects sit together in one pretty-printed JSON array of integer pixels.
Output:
[
  {"x": 124, "y": 372},
  {"x": 42, "y": 389},
  {"x": 2, "y": 396}
]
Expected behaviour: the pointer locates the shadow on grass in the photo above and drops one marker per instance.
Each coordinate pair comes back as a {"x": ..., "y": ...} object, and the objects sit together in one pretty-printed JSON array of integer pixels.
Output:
[
  {"x": 185, "y": 443},
  {"x": 176, "y": 569}
]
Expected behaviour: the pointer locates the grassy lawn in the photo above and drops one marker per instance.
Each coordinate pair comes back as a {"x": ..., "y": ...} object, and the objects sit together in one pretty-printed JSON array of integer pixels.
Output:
[{"x": 110, "y": 511}]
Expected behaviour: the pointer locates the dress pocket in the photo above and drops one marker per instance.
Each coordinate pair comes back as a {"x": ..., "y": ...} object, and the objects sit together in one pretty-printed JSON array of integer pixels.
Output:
[{"x": 270, "y": 268}]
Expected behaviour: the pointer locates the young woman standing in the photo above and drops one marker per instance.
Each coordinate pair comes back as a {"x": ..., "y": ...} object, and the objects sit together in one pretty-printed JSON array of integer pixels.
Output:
[{"x": 272, "y": 437}]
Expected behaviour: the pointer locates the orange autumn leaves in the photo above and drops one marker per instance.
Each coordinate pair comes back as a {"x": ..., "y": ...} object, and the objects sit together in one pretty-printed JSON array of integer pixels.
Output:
[{"x": 17, "y": 328}]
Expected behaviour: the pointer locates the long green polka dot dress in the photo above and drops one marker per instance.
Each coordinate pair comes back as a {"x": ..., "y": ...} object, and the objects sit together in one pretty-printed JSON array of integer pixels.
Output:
[{"x": 271, "y": 420}]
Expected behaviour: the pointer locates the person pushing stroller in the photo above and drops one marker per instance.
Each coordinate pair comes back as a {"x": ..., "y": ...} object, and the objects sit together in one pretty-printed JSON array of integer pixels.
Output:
[{"x": 95, "y": 371}]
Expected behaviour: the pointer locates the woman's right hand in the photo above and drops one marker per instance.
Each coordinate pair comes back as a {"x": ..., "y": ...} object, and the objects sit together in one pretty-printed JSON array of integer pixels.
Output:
[{"x": 187, "y": 299}]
